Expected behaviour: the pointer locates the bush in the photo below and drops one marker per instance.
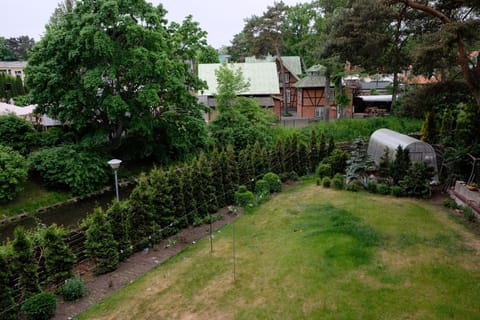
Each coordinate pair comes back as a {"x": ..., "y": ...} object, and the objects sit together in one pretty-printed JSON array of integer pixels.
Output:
[
  {"x": 337, "y": 160},
  {"x": 243, "y": 197},
  {"x": 396, "y": 191},
  {"x": 13, "y": 172},
  {"x": 323, "y": 170},
  {"x": 73, "y": 289},
  {"x": 469, "y": 214},
  {"x": 80, "y": 171},
  {"x": 273, "y": 181},
  {"x": 326, "y": 182},
  {"x": 449, "y": 203},
  {"x": 338, "y": 182},
  {"x": 352, "y": 186},
  {"x": 262, "y": 187},
  {"x": 383, "y": 188},
  {"x": 416, "y": 182},
  {"x": 17, "y": 133},
  {"x": 372, "y": 187},
  {"x": 40, "y": 307}
]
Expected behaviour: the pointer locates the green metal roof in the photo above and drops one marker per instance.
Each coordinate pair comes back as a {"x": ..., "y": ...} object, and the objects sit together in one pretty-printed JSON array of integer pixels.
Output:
[
  {"x": 311, "y": 81},
  {"x": 262, "y": 76}
]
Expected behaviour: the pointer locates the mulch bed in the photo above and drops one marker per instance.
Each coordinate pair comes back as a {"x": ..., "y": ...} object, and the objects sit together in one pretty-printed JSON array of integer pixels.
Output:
[{"x": 100, "y": 287}]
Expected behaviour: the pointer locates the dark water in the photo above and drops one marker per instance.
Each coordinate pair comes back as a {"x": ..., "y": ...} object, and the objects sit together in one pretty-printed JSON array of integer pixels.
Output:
[{"x": 68, "y": 215}]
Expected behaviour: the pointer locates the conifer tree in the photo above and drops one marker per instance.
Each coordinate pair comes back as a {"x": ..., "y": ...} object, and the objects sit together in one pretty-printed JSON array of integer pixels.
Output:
[
  {"x": 8, "y": 308},
  {"x": 230, "y": 174},
  {"x": 258, "y": 161},
  {"x": 100, "y": 244},
  {"x": 164, "y": 222},
  {"x": 119, "y": 216},
  {"x": 400, "y": 164},
  {"x": 294, "y": 150},
  {"x": 331, "y": 145},
  {"x": 278, "y": 164},
  {"x": 322, "y": 150},
  {"x": 245, "y": 168},
  {"x": 176, "y": 191},
  {"x": 59, "y": 259},
  {"x": 141, "y": 212},
  {"x": 313, "y": 152},
  {"x": 205, "y": 174},
  {"x": 189, "y": 195},
  {"x": 25, "y": 266},
  {"x": 218, "y": 178},
  {"x": 303, "y": 166}
]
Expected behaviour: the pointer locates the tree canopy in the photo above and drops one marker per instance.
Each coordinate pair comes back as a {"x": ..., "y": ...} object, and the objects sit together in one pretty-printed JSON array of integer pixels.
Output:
[{"x": 119, "y": 72}]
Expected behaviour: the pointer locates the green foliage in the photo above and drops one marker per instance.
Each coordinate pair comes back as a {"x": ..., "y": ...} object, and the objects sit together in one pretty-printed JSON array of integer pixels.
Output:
[
  {"x": 468, "y": 214},
  {"x": 100, "y": 244},
  {"x": 7, "y": 303},
  {"x": 400, "y": 165},
  {"x": 338, "y": 182},
  {"x": 337, "y": 160},
  {"x": 359, "y": 163},
  {"x": 383, "y": 189},
  {"x": 353, "y": 187},
  {"x": 262, "y": 187},
  {"x": 10, "y": 86},
  {"x": 190, "y": 201},
  {"x": 416, "y": 182},
  {"x": 67, "y": 166},
  {"x": 205, "y": 190},
  {"x": 274, "y": 182},
  {"x": 229, "y": 173},
  {"x": 17, "y": 133},
  {"x": 13, "y": 173},
  {"x": 73, "y": 289},
  {"x": 245, "y": 168},
  {"x": 323, "y": 170},
  {"x": 449, "y": 203},
  {"x": 24, "y": 265},
  {"x": 40, "y": 307},
  {"x": 429, "y": 129},
  {"x": 176, "y": 182},
  {"x": 396, "y": 191},
  {"x": 59, "y": 259},
  {"x": 218, "y": 177},
  {"x": 118, "y": 73},
  {"x": 119, "y": 215},
  {"x": 230, "y": 84},
  {"x": 326, "y": 182},
  {"x": 140, "y": 203},
  {"x": 244, "y": 198}
]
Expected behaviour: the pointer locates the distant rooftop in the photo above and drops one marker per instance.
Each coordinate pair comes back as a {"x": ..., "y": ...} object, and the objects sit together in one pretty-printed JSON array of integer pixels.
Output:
[
  {"x": 293, "y": 63},
  {"x": 13, "y": 64}
]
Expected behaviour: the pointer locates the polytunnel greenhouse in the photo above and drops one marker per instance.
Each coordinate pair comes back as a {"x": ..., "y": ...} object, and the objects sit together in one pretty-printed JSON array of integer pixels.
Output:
[{"x": 383, "y": 139}]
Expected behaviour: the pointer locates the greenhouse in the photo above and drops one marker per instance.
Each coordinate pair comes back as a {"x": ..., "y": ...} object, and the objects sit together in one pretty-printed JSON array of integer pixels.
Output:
[{"x": 383, "y": 139}]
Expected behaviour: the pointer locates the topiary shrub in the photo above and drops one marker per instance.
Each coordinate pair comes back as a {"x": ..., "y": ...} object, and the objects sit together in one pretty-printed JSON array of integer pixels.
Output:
[
  {"x": 372, "y": 187},
  {"x": 353, "y": 187},
  {"x": 73, "y": 289},
  {"x": 262, "y": 187},
  {"x": 383, "y": 189},
  {"x": 396, "y": 191},
  {"x": 326, "y": 182},
  {"x": 323, "y": 170},
  {"x": 244, "y": 197},
  {"x": 338, "y": 182},
  {"x": 40, "y": 306},
  {"x": 273, "y": 181}
]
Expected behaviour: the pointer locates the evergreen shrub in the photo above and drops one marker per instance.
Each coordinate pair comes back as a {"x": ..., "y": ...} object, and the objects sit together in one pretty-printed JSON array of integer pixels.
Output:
[
  {"x": 352, "y": 186},
  {"x": 323, "y": 170},
  {"x": 326, "y": 182},
  {"x": 73, "y": 289},
  {"x": 383, "y": 189},
  {"x": 397, "y": 191},
  {"x": 40, "y": 306},
  {"x": 244, "y": 197},
  {"x": 273, "y": 181},
  {"x": 372, "y": 187},
  {"x": 468, "y": 214},
  {"x": 449, "y": 203},
  {"x": 338, "y": 182}
]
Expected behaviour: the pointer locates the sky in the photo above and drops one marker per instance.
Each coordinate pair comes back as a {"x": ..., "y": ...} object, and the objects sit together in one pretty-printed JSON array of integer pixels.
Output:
[{"x": 222, "y": 19}]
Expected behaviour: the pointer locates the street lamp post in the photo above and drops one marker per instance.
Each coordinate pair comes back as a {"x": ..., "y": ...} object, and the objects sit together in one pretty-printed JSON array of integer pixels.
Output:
[{"x": 115, "y": 164}]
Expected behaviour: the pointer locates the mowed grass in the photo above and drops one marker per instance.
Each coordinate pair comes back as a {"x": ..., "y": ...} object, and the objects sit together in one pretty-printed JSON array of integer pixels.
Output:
[{"x": 315, "y": 253}]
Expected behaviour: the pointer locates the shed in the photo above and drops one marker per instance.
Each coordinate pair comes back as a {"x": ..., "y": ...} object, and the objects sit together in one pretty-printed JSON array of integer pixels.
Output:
[{"x": 387, "y": 139}]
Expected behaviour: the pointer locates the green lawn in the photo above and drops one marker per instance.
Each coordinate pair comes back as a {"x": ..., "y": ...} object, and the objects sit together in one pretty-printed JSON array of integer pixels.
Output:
[
  {"x": 32, "y": 197},
  {"x": 315, "y": 253}
]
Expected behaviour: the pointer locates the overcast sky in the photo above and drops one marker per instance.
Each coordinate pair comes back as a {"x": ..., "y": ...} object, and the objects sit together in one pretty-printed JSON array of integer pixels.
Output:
[{"x": 220, "y": 18}]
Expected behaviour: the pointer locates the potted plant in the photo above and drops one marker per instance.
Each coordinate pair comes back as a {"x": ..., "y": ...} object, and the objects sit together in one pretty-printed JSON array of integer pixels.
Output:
[{"x": 472, "y": 186}]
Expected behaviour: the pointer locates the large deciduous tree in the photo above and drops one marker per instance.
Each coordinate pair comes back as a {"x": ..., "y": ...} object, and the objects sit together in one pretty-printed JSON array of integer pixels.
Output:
[{"x": 117, "y": 71}]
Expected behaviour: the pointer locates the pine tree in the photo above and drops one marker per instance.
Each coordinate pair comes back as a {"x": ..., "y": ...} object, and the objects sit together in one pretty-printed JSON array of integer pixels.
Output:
[
  {"x": 278, "y": 164},
  {"x": 245, "y": 168},
  {"x": 429, "y": 130},
  {"x": 400, "y": 164},
  {"x": 59, "y": 259},
  {"x": 18, "y": 85},
  {"x": 25, "y": 265},
  {"x": 303, "y": 166},
  {"x": 230, "y": 174},
  {"x": 331, "y": 145},
  {"x": 8, "y": 308},
  {"x": 176, "y": 191},
  {"x": 119, "y": 216},
  {"x": 258, "y": 161},
  {"x": 100, "y": 244},
  {"x": 206, "y": 179}
]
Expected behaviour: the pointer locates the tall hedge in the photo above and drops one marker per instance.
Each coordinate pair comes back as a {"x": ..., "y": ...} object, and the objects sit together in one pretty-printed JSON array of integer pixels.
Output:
[
  {"x": 8, "y": 308},
  {"x": 100, "y": 244},
  {"x": 59, "y": 259},
  {"x": 119, "y": 215},
  {"x": 13, "y": 172}
]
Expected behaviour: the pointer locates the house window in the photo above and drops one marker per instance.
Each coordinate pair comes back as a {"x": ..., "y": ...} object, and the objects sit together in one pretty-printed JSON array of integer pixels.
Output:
[
  {"x": 288, "y": 96},
  {"x": 286, "y": 77},
  {"x": 320, "y": 113},
  {"x": 18, "y": 72}
]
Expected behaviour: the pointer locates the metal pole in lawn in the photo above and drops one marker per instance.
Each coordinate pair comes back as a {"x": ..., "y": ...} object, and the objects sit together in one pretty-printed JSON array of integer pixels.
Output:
[{"x": 233, "y": 248}]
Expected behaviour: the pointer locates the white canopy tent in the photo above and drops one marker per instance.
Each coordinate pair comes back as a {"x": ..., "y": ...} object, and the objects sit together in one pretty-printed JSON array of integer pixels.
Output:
[{"x": 27, "y": 113}]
